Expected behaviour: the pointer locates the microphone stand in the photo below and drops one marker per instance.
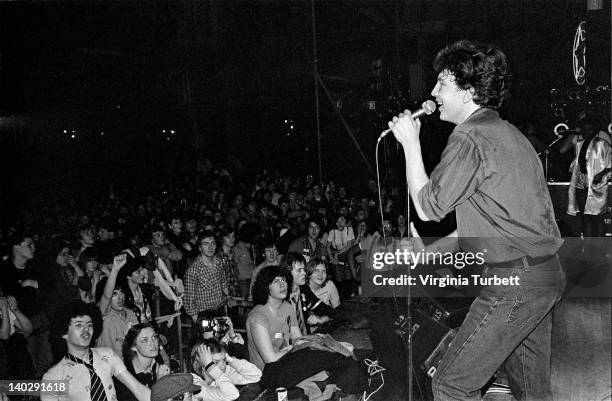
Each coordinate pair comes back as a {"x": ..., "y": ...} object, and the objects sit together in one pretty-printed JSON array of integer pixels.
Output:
[{"x": 546, "y": 152}]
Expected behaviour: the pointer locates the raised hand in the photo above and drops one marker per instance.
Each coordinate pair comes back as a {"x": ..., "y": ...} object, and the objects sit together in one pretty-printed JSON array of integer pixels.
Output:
[
  {"x": 204, "y": 354},
  {"x": 119, "y": 261}
]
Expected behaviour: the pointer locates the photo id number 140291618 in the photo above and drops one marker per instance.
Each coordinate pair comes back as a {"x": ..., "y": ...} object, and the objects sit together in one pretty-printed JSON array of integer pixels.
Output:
[{"x": 34, "y": 387}]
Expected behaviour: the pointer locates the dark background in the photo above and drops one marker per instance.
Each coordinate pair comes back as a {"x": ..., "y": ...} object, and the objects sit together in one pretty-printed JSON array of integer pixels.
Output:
[{"x": 224, "y": 75}]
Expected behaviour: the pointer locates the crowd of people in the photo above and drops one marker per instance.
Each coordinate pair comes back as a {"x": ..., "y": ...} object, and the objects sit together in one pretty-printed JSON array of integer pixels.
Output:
[{"x": 196, "y": 250}]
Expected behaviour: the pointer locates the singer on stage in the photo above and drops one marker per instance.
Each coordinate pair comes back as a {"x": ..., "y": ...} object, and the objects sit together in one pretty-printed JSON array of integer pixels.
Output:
[{"x": 491, "y": 176}]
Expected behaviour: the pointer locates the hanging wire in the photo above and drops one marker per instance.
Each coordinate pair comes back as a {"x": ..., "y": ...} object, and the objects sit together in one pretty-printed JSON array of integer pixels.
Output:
[{"x": 411, "y": 370}]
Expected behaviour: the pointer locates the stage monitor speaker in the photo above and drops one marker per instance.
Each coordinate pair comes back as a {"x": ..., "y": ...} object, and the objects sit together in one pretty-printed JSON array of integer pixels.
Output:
[{"x": 432, "y": 321}]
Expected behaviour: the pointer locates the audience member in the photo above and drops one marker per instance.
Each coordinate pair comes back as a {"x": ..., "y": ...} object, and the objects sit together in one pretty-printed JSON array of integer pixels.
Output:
[
  {"x": 18, "y": 277},
  {"x": 339, "y": 241},
  {"x": 310, "y": 245},
  {"x": 324, "y": 289},
  {"x": 89, "y": 371},
  {"x": 227, "y": 238},
  {"x": 206, "y": 286},
  {"x": 273, "y": 331},
  {"x": 141, "y": 356},
  {"x": 117, "y": 319},
  {"x": 14, "y": 329},
  {"x": 244, "y": 253},
  {"x": 271, "y": 258},
  {"x": 218, "y": 373}
]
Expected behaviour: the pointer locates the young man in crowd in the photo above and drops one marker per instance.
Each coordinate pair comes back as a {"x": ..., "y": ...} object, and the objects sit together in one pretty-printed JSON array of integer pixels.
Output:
[
  {"x": 87, "y": 371},
  {"x": 309, "y": 310},
  {"x": 271, "y": 258},
  {"x": 165, "y": 254},
  {"x": 87, "y": 238},
  {"x": 17, "y": 276},
  {"x": 117, "y": 318},
  {"x": 162, "y": 248},
  {"x": 309, "y": 245},
  {"x": 19, "y": 279},
  {"x": 205, "y": 283}
]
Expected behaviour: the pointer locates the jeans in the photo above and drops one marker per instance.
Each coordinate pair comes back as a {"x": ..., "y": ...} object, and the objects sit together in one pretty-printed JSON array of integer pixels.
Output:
[
  {"x": 298, "y": 365},
  {"x": 506, "y": 325}
]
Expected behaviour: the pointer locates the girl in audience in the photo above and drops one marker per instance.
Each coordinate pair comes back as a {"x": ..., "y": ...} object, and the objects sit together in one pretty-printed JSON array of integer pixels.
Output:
[
  {"x": 88, "y": 260},
  {"x": 142, "y": 359}
]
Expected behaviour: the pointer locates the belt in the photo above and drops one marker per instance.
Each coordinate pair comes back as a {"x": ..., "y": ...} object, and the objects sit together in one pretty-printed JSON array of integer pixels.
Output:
[{"x": 519, "y": 262}]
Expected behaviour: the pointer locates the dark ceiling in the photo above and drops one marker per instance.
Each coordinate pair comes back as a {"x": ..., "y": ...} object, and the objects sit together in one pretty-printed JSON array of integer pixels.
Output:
[{"x": 226, "y": 73}]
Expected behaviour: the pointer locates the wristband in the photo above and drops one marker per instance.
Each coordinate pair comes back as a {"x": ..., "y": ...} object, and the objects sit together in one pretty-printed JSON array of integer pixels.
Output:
[{"x": 209, "y": 365}]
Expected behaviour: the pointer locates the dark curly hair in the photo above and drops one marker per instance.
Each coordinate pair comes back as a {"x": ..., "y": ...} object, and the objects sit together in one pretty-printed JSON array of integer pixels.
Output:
[
  {"x": 261, "y": 288},
  {"x": 482, "y": 67},
  {"x": 62, "y": 319}
]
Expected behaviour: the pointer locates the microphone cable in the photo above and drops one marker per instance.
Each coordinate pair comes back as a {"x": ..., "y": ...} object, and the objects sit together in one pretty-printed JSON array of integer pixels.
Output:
[{"x": 408, "y": 312}]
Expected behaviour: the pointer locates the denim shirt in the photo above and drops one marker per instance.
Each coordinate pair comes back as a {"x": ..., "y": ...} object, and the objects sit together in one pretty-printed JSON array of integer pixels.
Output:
[{"x": 491, "y": 176}]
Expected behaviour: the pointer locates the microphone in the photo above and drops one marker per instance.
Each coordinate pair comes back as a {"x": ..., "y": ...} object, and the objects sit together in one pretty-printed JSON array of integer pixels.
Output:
[{"x": 427, "y": 108}]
